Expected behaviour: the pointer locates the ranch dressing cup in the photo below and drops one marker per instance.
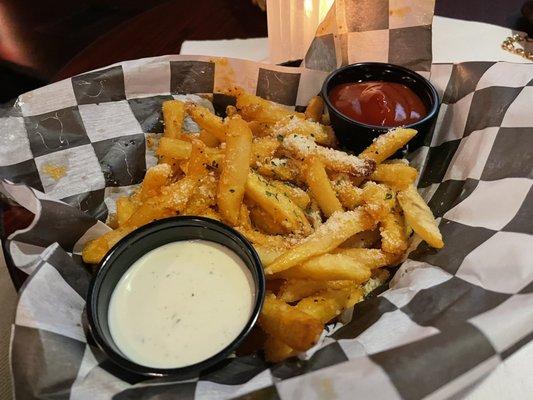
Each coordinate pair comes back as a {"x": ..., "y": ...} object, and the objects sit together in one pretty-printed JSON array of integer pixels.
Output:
[{"x": 175, "y": 296}]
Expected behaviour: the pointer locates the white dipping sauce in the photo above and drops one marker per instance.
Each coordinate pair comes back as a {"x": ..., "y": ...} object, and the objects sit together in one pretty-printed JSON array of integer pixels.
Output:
[{"x": 180, "y": 304}]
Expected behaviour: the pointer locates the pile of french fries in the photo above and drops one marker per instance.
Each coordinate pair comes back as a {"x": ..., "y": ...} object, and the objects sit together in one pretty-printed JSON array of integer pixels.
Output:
[{"x": 324, "y": 222}]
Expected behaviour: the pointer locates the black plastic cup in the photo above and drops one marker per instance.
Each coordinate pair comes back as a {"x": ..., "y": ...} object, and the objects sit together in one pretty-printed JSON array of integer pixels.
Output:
[
  {"x": 120, "y": 258},
  {"x": 356, "y": 136}
]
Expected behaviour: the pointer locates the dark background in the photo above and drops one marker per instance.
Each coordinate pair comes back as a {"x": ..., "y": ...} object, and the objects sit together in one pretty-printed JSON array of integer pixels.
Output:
[{"x": 47, "y": 40}]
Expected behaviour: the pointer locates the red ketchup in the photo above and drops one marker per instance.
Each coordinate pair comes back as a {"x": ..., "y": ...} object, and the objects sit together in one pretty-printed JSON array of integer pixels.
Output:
[{"x": 387, "y": 104}]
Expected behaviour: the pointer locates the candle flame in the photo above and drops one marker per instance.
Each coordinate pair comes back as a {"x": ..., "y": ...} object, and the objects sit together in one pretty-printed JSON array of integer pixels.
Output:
[{"x": 308, "y": 8}]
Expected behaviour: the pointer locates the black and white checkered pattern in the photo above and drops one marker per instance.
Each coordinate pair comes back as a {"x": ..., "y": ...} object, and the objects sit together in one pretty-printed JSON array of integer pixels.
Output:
[
  {"x": 449, "y": 318},
  {"x": 394, "y": 31}
]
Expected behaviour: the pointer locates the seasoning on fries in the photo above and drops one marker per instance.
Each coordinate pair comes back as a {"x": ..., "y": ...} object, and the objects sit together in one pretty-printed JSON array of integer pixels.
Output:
[{"x": 324, "y": 222}]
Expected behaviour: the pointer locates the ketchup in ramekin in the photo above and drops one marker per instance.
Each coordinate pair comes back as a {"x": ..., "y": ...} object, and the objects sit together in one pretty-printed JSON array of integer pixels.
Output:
[
  {"x": 388, "y": 104},
  {"x": 365, "y": 100}
]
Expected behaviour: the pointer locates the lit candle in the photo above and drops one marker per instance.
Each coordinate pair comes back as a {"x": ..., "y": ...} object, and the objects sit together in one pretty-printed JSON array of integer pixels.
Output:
[{"x": 292, "y": 26}]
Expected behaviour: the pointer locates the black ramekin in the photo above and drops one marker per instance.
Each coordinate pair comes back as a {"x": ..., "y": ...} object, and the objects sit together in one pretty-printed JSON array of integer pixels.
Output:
[
  {"x": 356, "y": 136},
  {"x": 141, "y": 241}
]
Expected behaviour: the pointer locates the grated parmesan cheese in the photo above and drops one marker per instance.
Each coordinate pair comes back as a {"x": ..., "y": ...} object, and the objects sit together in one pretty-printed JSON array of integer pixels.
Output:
[
  {"x": 334, "y": 159},
  {"x": 286, "y": 126},
  {"x": 334, "y": 223}
]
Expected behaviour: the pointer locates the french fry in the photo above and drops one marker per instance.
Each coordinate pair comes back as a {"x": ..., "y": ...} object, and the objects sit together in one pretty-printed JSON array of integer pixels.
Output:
[
  {"x": 418, "y": 215},
  {"x": 326, "y": 305},
  {"x": 398, "y": 176},
  {"x": 262, "y": 239},
  {"x": 234, "y": 169},
  {"x": 379, "y": 199},
  {"x": 207, "y": 120},
  {"x": 96, "y": 249},
  {"x": 210, "y": 213},
  {"x": 387, "y": 144},
  {"x": 293, "y": 327},
  {"x": 178, "y": 194},
  {"x": 313, "y": 214},
  {"x": 277, "y": 204},
  {"x": 150, "y": 210},
  {"x": 215, "y": 157},
  {"x": 254, "y": 108},
  {"x": 202, "y": 198},
  {"x": 259, "y": 129},
  {"x": 349, "y": 195},
  {"x": 264, "y": 222},
  {"x": 314, "y": 109},
  {"x": 314, "y": 131},
  {"x": 293, "y": 192},
  {"x": 338, "y": 228},
  {"x": 208, "y": 138},
  {"x": 174, "y": 149},
  {"x": 320, "y": 187},
  {"x": 362, "y": 239},
  {"x": 116, "y": 235},
  {"x": 329, "y": 267},
  {"x": 156, "y": 177},
  {"x": 296, "y": 289},
  {"x": 267, "y": 254},
  {"x": 277, "y": 351},
  {"x": 174, "y": 197},
  {"x": 125, "y": 208},
  {"x": 371, "y": 258},
  {"x": 280, "y": 168},
  {"x": 173, "y": 114},
  {"x": 263, "y": 149},
  {"x": 392, "y": 230},
  {"x": 334, "y": 160},
  {"x": 244, "y": 218},
  {"x": 355, "y": 296}
]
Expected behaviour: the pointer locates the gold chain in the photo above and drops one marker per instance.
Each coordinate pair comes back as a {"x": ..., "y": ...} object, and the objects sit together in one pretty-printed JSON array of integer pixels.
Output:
[{"x": 509, "y": 45}]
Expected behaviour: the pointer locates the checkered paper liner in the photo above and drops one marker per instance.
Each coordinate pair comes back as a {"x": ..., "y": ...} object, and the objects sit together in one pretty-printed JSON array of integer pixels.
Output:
[
  {"x": 449, "y": 318},
  {"x": 394, "y": 31}
]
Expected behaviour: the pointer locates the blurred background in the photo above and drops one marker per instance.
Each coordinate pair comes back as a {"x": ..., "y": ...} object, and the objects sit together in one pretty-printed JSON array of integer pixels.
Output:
[{"x": 48, "y": 40}]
